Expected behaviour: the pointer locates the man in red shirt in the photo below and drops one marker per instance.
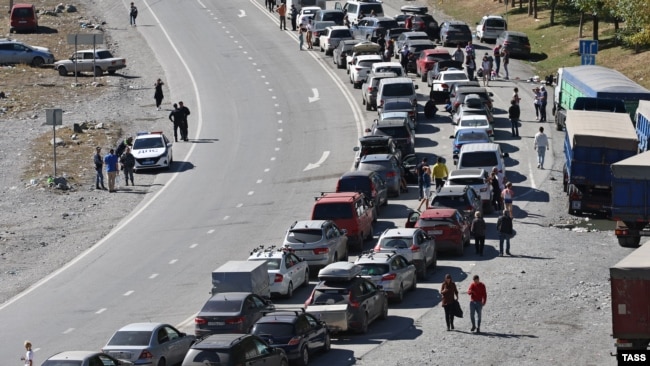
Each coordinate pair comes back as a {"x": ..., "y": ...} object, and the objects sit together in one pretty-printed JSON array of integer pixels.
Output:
[{"x": 478, "y": 297}]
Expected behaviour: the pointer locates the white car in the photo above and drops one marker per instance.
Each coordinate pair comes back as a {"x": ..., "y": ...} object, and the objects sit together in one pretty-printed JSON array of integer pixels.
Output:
[
  {"x": 331, "y": 37},
  {"x": 307, "y": 13},
  {"x": 472, "y": 121},
  {"x": 152, "y": 150},
  {"x": 391, "y": 271},
  {"x": 445, "y": 79},
  {"x": 360, "y": 69},
  {"x": 286, "y": 270},
  {"x": 362, "y": 48},
  {"x": 476, "y": 178}
]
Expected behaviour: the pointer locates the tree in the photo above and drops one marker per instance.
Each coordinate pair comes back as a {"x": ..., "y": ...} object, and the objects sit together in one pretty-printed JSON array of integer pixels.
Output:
[
  {"x": 593, "y": 7},
  {"x": 636, "y": 14}
]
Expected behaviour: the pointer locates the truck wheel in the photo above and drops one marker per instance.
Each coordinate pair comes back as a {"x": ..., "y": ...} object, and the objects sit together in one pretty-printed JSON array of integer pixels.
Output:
[
  {"x": 629, "y": 241},
  {"x": 62, "y": 71},
  {"x": 98, "y": 71},
  {"x": 111, "y": 72}
]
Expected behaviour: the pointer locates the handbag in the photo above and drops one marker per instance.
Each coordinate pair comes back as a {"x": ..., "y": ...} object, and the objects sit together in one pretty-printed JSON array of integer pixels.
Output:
[{"x": 456, "y": 309}]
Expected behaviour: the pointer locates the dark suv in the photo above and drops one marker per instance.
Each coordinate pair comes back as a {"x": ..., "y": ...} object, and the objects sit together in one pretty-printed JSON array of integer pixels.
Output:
[
  {"x": 516, "y": 43},
  {"x": 399, "y": 130},
  {"x": 369, "y": 145},
  {"x": 463, "y": 198},
  {"x": 455, "y": 32},
  {"x": 367, "y": 182},
  {"x": 234, "y": 349}
]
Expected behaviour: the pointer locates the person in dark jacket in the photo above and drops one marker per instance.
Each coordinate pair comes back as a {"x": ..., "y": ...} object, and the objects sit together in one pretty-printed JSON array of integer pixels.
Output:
[
  {"x": 496, "y": 189},
  {"x": 99, "y": 169},
  {"x": 449, "y": 293},
  {"x": 419, "y": 169},
  {"x": 504, "y": 227},
  {"x": 294, "y": 17},
  {"x": 430, "y": 108},
  {"x": 513, "y": 113},
  {"x": 128, "y": 164},
  {"x": 185, "y": 112},
  {"x": 478, "y": 231},
  {"x": 123, "y": 145},
  {"x": 176, "y": 116},
  {"x": 158, "y": 94}
]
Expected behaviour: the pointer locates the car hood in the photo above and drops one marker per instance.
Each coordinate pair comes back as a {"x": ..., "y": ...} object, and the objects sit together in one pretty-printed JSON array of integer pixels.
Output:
[{"x": 42, "y": 49}]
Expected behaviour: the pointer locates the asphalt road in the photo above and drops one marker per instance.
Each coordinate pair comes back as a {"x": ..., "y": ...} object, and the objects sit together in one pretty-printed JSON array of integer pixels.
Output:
[{"x": 275, "y": 127}]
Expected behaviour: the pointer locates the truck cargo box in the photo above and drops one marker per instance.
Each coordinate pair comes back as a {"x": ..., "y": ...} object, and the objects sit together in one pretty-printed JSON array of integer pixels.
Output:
[
  {"x": 642, "y": 124},
  {"x": 631, "y": 188},
  {"x": 242, "y": 276},
  {"x": 630, "y": 285}
]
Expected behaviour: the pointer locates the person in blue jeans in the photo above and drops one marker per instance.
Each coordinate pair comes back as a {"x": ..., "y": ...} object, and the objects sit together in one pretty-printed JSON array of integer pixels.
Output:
[
  {"x": 111, "y": 161},
  {"x": 504, "y": 227}
]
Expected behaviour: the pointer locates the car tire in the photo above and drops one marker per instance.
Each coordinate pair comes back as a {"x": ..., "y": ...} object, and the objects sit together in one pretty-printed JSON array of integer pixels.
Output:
[
  {"x": 384, "y": 311},
  {"x": 327, "y": 344},
  {"x": 460, "y": 250},
  {"x": 98, "y": 71},
  {"x": 162, "y": 362},
  {"x": 284, "y": 363},
  {"x": 423, "y": 77},
  {"x": 400, "y": 295},
  {"x": 111, "y": 72},
  {"x": 414, "y": 285},
  {"x": 38, "y": 62},
  {"x": 62, "y": 71},
  {"x": 363, "y": 329},
  {"x": 304, "y": 357},
  {"x": 290, "y": 290},
  {"x": 305, "y": 283},
  {"x": 422, "y": 274}
]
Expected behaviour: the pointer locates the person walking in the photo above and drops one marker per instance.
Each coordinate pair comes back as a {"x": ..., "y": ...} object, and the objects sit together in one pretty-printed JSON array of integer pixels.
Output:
[
  {"x": 419, "y": 170},
  {"x": 505, "y": 58},
  {"x": 541, "y": 145},
  {"x": 486, "y": 65},
  {"x": 301, "y": 35},
  {"x": 184, "y": 112},
  {"x": 536, "y": 102},
  {"x": 272, "y": 4},
  {"x": 515, "y": 95},
  {"x": 513, "y": 114},
  {"x": 496, "y": 189},
  {"x": 504, "y": 228},
  {"x": 404, "y": 58},
  {"x": 282, "y": 11},
  {"x": 543, "y": 99},
  {"x": 439, "y": 173},
  {"x": 477, "y": 230},
  {"x": 309, "y": 35},
  {"x": 458, "y": 55},
  {"x": 29, "y": 354},
  {"x": 133, "y": 13},
  {"x": 294, "y": 17},
  {"x": 426, "y": 187},
  {"x": 176, "y": 118},
  {"x": 508, "y": 195},
  {"x": 496, "y": 53},
  {"x": 469, "y": 50},
  {"x": 478, "y": 298},
  {"x": 127, "y": 160},
  {"x": 158, "y": 94},
  {"x": 110, "y": 161},
  {"x": 99, "y": 169},
  {"x": 449, "y": 293},
  {"x": 470, "y": 66}
]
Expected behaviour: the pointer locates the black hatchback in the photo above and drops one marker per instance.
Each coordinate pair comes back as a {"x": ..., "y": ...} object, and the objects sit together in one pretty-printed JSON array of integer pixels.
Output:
[
  {"x": 455, "y": 32},
  {"x": 367, "y": 182},
  {"x": 234, "y": 349}
]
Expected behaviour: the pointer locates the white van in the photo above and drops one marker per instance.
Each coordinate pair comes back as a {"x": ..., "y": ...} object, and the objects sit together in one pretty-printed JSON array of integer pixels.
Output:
[
  {"x": 400, "y": 87},
  {"x": 355, "y": 10},
  {"x": 484, "y": 156}
]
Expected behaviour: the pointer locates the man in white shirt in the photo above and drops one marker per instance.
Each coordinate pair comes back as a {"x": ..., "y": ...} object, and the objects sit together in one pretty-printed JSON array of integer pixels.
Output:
[{"x": 541, "y": 145}]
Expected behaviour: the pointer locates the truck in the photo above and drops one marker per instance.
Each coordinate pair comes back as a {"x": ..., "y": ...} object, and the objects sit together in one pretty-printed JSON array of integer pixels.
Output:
[
  {"x": 97, "y": 61},
  {"x": 642, "y": 125},
  {"x": 605, "y": 89},
  {"x": 631, "y": 199},
  {"x": 594, "y": 141},
  {"x": 630, "y": 294},
  {"x": 242, "y": 276}
]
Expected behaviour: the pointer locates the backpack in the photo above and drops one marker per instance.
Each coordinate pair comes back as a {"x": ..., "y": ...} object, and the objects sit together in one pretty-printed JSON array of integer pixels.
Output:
[{"x": 134, "y": 11}]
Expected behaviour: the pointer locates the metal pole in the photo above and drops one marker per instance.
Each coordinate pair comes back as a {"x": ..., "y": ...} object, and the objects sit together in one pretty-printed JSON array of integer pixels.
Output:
[
  {"x": 75, "y": 59},
  {"x": 54, "y": 143}
]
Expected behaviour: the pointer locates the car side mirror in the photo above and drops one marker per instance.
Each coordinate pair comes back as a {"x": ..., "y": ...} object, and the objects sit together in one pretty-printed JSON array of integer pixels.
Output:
[
  {"x": 416, "y": 86},
  {"x": 506, "y": 155},
  {"x": 451, "y": 137},
  {"x": 356, "y": 148}
]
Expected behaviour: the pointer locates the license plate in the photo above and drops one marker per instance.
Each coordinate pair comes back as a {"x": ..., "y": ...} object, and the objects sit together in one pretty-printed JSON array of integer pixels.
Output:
[
  {"x": 303, "y": 252},
  {"x": 147, "y": 162},
  {"x": 216, "y": 323},
  {"x": 434, "y": 232}
]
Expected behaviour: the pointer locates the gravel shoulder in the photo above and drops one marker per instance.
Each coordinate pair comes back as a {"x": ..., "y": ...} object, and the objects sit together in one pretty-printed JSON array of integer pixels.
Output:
[{"x": 44, "y": 228}]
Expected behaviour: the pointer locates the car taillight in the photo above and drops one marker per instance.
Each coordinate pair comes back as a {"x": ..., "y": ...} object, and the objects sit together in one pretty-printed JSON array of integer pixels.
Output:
[
  {"x": 391, "y": 175},
  {"x": 278, "y": 278},
  {"x": 145, "y": 354},
  {"x": 319, "y": 251},
  {"x": 411, "y": 114},
  {"x": 444, "y": 86},
  {"x": 353, "y": 303},
  {"x": 200, "y": 321},
  {"x": 456, "y": 105},
  {"x": 389, "y": 277},
  {"x": 415, "y": 248},
  {"x": 358, "y": 68},
  {"x": 458, "y": 146},
  {"x": 235, "y": 320},
  {"x": 293, "y": 341},
  {"x": 370, "y": 89},
  {"x": 490, "y": 132},
  {"x": 381, "y": 103}
]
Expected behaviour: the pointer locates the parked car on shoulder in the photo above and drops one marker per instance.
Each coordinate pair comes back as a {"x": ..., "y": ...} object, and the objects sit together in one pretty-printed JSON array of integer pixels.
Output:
[
  {"x": 463, "y": 198},
  {"x": 388, "y": 167},
  {"x": 360, "y": 68},
  {"x": 152, "y": 150},
  {"x": 468, "y": 136},
  {"x": 16, "y": 52},
  {"x": 415, "y": 47},
  {"x": 426, "y": 23},
  {"x": 443, "y": 82},
  {"x": 286, "y": 270},
  {"x": 319, "y": 242},
  {"x": 360, "y": 49},
  {"x": 331, "y": 15},
  {"x": 391, "y": 271},
  {"x": 370, "y": 183},
  {"x": 400, "y": 109},
  {"x": 96, "y": 61},
  {"x": 516, "y": 43},
  {"x": 490, "y": 27},
  {"x": 376, "y": 145},
  {"x": 441, "y": 66},
  {"x": 455, "y": 32},
  {"x": 458, "y": 96},
  {"x": 366, "y": 27},
  {"x": 397, "y": 128},
  {"x": 318, "y": 28},
  {"x": 406, "y": 36},
  {"x": 351, "y": 211},
  {"x": 412, "y": 243},
  {"x": 447, "y": 226},
  {"x": 473, "y": 122}
]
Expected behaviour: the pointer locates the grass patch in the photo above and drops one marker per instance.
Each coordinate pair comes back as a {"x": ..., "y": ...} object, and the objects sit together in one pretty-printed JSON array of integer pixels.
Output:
[{"x": 554, "y": 46}]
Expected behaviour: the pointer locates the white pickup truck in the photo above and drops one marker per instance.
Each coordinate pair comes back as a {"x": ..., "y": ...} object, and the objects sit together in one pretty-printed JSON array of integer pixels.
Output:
[{"x": 103, "y": 62}]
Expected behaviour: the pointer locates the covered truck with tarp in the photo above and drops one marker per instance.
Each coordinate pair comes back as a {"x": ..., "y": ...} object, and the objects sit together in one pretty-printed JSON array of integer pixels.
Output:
[
  {"x": 631, "y": 199},
  {"x": 595, "y": 88}
]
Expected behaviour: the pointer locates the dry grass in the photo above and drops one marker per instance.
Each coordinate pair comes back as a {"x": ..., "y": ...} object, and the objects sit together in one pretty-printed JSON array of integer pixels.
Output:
[{"x": 555, "y": 46}]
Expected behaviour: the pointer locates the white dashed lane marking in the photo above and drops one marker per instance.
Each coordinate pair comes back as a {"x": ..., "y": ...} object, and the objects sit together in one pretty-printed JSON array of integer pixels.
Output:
[{"x": 128, "y": 293}]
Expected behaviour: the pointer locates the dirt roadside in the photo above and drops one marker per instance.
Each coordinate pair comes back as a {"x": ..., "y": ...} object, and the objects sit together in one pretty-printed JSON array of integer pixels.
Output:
[{"x": 42, "y": 227}]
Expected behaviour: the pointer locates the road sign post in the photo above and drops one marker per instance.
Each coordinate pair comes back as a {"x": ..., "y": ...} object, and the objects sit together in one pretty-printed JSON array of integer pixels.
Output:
[
  {"x": 588, "y": 51},
  {"x": 54, "y": 117}
]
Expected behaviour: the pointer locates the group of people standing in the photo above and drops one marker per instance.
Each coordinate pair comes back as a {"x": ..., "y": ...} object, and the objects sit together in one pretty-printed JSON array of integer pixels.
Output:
[
  {"x": 178, "y": 115},
  {"x": 490, "y": 66},
  {"x": 111, "y": 163},
  {"x": 426, "y": 175}
]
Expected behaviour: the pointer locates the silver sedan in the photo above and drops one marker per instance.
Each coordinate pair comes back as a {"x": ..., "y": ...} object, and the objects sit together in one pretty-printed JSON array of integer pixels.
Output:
[
  {"x": 390, "y": 271},
  {"x": 84, "y": 358}
]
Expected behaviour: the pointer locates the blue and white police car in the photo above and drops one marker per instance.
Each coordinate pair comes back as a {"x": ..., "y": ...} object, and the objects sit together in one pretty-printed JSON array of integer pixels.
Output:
[{"x": 152, "y": 150}]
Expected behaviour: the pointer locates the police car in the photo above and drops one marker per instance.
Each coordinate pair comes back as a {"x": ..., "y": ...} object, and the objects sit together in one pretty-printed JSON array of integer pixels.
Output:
[
  {"x": 286, "y": 270},
  {"x": 152, "y": 150}
]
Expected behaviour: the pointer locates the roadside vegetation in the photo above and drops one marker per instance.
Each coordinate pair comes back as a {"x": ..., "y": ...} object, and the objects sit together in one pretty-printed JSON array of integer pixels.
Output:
[{"x": 623, "y": 45}]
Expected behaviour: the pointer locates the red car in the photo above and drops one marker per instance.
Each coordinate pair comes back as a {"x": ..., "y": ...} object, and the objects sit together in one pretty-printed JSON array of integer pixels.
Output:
[
  {"x": 428, "y": 59},
  {"x": 447, "y": 225}
]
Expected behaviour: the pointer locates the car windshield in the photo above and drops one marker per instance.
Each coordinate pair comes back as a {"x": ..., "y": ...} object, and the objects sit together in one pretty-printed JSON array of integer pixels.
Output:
[
  {"x": 391, "y": 106},
  {"x": 396, "y": 132},
  {"x": 148, "y": 143},
  {"x": 340, "y": 33},
  {"x": 423, "y": 36},
  {"x": 61, "y": 363},
  {"x": 396, "y": 69},
  {"x": 304, "y": 235},
  {"x": 398, "y": 90},
  {"x": 388, "y": 24},
  {"x": 438, "y": 56},
  {"x": 478, "y": 159},
  {"x": 271, "y": 263},
  {"x": 222, "y": 306},
  {"x": 473, "y": 123},
  {"x": 420, "y": 47},
  {"x": 473, "y": 137},
  {"x": 275, "y": 329},
  {"x": 104, "y": 54},
  {"x": 435, "y": 222},
  {"x": 373, "y": 269},
  {"x": 334, "y": 16},
  {"x": 457, "y": 202},
  {"x": 370, "y": 150},
  {"x": 395, "y": 242},
  {"x": 465, "y": 181},
  {"x": 375, "y": 166},
  {"x": 459, "y": 28},
  {"x": 454, "y": 76},
  {"x": 518, "y": 39},
  {"x": 332, "y": 211},
  {"x": 367, "y": 63},
  {"x": 354, "y": 184},
  {"x": 130, "y": 338},
  {"x": 330, "y": 296}
]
